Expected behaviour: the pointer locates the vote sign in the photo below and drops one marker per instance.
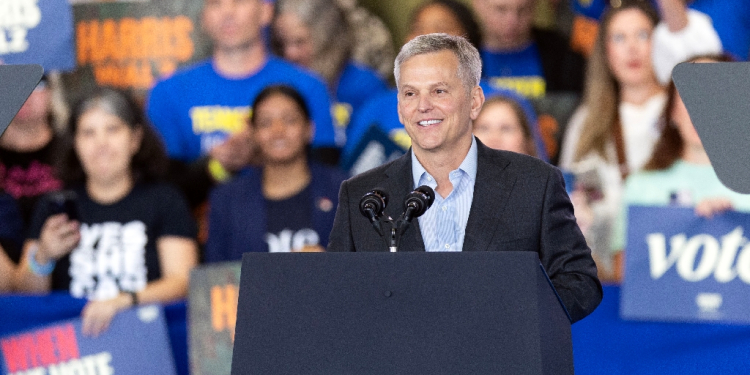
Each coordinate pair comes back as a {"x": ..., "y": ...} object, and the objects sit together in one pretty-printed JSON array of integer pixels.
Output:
[
  {"x": 681, "y": 267},
  {"x": 136, "y": 343}
]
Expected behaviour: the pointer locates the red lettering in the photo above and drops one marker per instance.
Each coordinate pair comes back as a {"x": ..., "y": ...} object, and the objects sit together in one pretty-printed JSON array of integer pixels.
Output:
[
  {"x": 16, "y": 352},
  {"x": 45, "y": 347},
  {"x": 67, "y": 345}
]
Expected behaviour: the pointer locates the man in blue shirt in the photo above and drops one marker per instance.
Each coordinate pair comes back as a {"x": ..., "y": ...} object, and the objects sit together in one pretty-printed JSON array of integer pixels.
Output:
[
  {"x": 202, "y": 110},
  {"x": 517, "y": 56},
  {"x": 485, "y": 200}
]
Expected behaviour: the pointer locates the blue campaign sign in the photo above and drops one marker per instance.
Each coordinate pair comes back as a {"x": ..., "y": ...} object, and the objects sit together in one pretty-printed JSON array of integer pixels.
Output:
[
  {"x": 37, "y": 32},
  {"x": 680, "y": 267},
  {"x": 374, "y": 149},
  {"x": 135, "y": 343}
]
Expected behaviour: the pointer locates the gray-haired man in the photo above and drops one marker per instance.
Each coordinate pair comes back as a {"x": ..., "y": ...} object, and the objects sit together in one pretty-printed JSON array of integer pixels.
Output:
[{"x": 486, "y": 200}]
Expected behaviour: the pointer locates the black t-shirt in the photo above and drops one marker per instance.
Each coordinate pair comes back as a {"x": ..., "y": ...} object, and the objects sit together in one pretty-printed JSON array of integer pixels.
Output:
[
  {"x": 117, "y": 251},
  {"x": 27, "y": 176},
  {"x": 289, "y": 223},
  {"x": 11, "y": 227}
]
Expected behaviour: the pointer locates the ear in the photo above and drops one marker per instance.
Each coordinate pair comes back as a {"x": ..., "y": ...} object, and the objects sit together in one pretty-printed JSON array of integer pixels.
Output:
[
  {"x": 266, "y": 12},
  {"x": 311, "y": 132},
  {"x": 136, "y": 140},
  {"x": 477, "y": 100}
]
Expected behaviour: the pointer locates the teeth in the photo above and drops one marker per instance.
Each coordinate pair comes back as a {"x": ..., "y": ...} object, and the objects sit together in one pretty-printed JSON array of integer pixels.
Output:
[{"x": 429, "y": 122}]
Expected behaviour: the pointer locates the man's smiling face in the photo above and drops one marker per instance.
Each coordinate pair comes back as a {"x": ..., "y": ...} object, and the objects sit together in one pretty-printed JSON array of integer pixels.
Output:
[{"x": 434, "y": 105}]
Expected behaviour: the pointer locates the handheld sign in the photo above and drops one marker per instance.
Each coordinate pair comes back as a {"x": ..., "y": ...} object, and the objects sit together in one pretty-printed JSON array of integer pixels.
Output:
[
  {"x": 212, "y": 316},
  {"x": 38, "y": 32},
  {"x": 374, "y": 149},
  {"x": 680, "y": 267},
  {"x": 135, "y": 343}
]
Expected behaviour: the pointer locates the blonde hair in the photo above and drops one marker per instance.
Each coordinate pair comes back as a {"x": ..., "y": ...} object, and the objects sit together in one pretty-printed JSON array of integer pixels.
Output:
[{"x": 601, "y": 95}]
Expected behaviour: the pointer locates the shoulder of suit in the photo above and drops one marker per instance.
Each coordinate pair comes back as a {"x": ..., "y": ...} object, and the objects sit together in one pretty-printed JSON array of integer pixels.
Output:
[
  {"x": 517, "y": 161},
  {"x": 376, "y": 174}
]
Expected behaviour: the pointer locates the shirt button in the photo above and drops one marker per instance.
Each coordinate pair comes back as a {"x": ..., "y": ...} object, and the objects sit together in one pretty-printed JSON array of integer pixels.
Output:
[
  {"x": 445, "y": 208},
  {"x": 447, "y": 246}
]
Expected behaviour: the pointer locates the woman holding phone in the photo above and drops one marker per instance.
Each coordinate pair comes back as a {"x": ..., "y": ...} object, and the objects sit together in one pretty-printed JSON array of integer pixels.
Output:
[{"x": 133, "y": 240}]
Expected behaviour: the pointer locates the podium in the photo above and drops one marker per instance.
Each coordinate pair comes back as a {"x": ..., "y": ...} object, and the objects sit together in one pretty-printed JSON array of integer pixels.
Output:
[
  {"x": 399, "y": 313},
  {"x": 18, "y": 82}
]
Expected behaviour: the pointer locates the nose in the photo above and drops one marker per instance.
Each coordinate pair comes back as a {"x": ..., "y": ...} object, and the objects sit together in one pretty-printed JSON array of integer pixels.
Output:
[
  {"x": 425, "y": 104},
  {"x": 278, "y": 126}
]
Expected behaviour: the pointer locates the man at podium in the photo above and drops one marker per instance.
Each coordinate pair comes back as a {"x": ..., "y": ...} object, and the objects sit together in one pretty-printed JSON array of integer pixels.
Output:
[{"x": 485, "y": 200}]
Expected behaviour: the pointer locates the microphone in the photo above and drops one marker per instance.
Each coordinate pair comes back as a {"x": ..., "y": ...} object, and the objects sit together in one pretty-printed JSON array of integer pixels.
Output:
[
  {"x": 372, "y": 206},
  {"x": 417, "y": 202}
]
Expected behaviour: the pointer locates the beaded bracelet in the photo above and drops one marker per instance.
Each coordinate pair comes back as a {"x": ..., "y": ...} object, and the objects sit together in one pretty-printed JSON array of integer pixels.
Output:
[{"x": 35, "y": 267}]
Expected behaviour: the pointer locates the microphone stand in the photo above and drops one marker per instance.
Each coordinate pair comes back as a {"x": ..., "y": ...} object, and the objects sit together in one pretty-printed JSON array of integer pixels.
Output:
[
  {"x": 416, "y": 203},
  {"x": 398, "y": 227}
]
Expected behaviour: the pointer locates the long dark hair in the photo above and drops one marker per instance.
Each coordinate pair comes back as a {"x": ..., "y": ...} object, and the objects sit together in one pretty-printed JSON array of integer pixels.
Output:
[
  {"x": 290, "y": 93},
  {"x": 670, "y": 146},
  {"x": 149, "y": 163},
  {"x": 285, "y": 90}
]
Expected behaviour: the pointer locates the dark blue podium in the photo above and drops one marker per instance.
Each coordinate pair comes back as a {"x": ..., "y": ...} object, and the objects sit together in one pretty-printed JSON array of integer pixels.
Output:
[{"x": 399, "y": 313}]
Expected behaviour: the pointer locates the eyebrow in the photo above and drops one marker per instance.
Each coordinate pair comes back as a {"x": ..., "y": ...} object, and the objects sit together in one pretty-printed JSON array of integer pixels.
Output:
[{"x": 431, "y": 86}]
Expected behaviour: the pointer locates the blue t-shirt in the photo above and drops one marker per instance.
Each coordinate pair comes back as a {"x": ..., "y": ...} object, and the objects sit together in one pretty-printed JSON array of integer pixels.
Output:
[
  {"x": 356, "y": 84},
  {"x": 520, "y": 71},
  {"x": 382, "y": 111},
  {"x": 196, "y": 108},
  {"x": 731, "y": 19}
]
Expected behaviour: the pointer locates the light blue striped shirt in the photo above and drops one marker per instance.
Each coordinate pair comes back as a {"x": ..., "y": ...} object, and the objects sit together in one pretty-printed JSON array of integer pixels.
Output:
[{"x": 443, "y": 226}]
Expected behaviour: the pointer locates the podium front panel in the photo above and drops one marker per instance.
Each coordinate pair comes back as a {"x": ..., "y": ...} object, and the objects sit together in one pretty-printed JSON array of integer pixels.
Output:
[{"x": 402, "y": 313}]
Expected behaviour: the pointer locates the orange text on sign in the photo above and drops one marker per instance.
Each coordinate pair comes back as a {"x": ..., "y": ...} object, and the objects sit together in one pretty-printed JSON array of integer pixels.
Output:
[{"x": 130, "y": 52}]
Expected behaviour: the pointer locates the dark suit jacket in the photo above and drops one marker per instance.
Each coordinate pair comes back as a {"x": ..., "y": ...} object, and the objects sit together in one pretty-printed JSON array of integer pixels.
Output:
[
  {"x": 519, "y": 204},
  {"x": 237, "y": 213}
]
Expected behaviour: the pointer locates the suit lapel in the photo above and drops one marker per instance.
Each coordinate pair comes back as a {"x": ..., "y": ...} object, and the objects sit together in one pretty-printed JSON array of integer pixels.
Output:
[
  {"x": 492, "y": 189},
  {"x": 398, "y": 183}
]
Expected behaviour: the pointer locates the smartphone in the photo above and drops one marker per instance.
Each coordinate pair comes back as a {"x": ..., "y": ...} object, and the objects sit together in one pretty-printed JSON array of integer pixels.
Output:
[
  {"x": 63, "y": 202},
  {"x": 588, "y": 178}
]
